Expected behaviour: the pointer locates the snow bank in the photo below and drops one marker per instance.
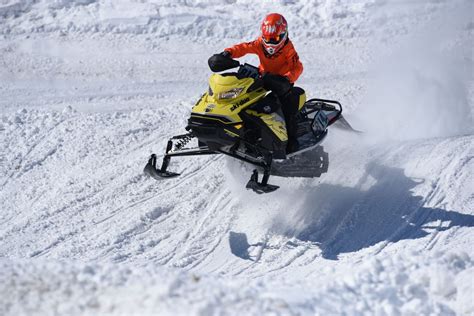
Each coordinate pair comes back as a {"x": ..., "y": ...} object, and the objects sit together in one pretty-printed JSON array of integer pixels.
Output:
[
  {"x": 401, "y": 285},
  {"x": 198, "y": 20},
  {"x": 407, "y": 285}
]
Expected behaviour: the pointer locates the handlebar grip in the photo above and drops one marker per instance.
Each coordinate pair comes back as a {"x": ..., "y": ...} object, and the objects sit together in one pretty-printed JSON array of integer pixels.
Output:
[{"x": 218, "y": 63}]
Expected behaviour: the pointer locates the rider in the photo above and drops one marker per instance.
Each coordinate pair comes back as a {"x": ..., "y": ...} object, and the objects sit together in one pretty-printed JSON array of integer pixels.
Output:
[{"x": 277, "y": 57}]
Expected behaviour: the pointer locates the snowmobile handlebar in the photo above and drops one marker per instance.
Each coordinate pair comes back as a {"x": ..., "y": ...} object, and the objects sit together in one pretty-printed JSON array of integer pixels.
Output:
[
  {"x": 219, "y": 62},
  {"x": 278, "y": 84}
]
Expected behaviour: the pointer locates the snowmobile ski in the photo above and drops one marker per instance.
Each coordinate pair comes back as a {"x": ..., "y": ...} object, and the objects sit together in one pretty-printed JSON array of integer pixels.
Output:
[
  {"x": 151, "y": 170},
  {"x": 260, "y": 187}
]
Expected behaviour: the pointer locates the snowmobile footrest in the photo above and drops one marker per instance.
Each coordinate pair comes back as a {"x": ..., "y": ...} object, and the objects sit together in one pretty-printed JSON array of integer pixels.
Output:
[{"x": 260, "y": 187}]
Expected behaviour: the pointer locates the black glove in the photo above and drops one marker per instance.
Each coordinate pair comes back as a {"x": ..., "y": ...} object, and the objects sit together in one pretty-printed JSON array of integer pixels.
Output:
[
  {"x": 225, "y": 54},
  {"x": 280, "y": 85},
  {"x": 222, "y": 61}
]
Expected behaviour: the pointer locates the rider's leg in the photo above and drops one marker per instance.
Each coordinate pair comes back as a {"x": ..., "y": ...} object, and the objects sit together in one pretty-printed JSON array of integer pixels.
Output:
[{"x": 291, "y": 106}]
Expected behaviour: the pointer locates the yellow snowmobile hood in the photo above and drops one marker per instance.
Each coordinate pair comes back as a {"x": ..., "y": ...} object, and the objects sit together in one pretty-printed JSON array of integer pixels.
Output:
[
  {"x": 226, "y": 97},
  {"x": 219, "y": 84}
]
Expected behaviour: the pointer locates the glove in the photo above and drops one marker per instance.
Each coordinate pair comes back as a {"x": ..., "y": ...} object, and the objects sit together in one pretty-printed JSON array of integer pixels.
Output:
[
  {"x": 272, "y": 78},
  {"x": 222, "y": 61},
  {"x": 280, "y": 85},
  {"x": 225, "y": 54}
]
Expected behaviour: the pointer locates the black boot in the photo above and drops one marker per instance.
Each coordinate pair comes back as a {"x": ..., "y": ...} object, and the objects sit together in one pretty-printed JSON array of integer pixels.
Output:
[
  {"x": 292, "y": 146},
  {"x": 292, "y": 129},
  {"x": 290, "y": 109}
]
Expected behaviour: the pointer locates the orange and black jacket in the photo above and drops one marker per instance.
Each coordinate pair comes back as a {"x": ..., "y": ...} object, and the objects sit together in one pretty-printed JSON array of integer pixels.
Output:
[{"x": 284, "y": 63}]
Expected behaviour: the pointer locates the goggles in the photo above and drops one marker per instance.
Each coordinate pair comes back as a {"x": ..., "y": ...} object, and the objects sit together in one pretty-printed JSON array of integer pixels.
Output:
[{"x": 274, "y": 40}]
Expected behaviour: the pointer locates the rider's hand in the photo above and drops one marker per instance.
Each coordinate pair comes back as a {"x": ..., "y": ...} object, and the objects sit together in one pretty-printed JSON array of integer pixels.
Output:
[
  {"x": 225, "y": 54},
  {"x": 276, "y": 83},
  {"x": 222, "y": 61}
]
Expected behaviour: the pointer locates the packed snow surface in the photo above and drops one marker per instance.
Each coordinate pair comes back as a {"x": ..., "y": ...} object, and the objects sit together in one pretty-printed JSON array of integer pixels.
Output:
[{"x": 90, "y": 88}]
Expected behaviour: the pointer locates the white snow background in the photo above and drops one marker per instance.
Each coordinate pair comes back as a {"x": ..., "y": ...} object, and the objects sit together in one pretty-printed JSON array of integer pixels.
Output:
[{"x": 90, "y": 88}]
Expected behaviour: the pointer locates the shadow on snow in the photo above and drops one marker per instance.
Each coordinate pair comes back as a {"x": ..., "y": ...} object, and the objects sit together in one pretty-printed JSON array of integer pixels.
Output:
[{"x": 345, "y": 219}]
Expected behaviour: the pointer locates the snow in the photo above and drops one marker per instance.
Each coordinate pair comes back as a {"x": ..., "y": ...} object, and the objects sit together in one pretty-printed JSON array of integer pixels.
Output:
[
  {"x": 392, "y": 286},
  {"x": 91, "y": 88}
]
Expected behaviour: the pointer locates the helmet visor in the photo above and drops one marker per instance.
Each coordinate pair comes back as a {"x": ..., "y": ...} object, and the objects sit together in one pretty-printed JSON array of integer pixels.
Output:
[{"x": 274, "y": 40}]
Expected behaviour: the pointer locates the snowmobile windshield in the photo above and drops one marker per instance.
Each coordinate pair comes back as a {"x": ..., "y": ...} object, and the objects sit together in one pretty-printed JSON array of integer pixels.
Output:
[{"x": 248, "y": 71}]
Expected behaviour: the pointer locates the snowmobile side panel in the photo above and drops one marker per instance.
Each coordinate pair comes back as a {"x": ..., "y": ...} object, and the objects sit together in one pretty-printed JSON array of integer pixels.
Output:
[
  {"x": 268, "y": 130},
  {"x": 275, "y": 123}
]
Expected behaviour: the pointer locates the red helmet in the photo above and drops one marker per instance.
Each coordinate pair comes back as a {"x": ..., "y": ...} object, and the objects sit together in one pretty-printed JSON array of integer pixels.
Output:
[{"x": 274, "y": 32}]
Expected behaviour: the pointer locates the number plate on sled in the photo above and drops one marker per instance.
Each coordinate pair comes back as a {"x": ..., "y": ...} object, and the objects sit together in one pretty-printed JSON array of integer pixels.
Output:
[{"x": 320, "y": 122}]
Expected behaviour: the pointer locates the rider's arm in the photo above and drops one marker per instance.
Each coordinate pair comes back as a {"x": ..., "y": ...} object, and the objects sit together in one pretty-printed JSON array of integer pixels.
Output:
[
  {"x": 296, "y": 67},
  {"x": 242, "y": 49}
]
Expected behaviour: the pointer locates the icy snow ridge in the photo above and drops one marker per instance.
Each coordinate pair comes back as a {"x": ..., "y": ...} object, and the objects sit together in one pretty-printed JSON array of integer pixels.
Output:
[
  {"x": 196, "y": 19},
  {"x": 384, "y": 287}
]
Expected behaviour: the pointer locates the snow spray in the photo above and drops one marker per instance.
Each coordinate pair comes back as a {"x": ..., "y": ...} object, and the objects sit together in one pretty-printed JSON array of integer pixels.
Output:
[{"x": 420, "y": 88}]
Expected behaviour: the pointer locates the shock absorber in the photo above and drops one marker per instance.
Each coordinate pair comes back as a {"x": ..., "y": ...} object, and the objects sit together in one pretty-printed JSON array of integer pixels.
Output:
[{"x": 183, "y": 140}]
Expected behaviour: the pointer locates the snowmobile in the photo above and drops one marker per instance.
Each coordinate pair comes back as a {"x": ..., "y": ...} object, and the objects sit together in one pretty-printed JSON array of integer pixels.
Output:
[{"x": 240, "y": 116}]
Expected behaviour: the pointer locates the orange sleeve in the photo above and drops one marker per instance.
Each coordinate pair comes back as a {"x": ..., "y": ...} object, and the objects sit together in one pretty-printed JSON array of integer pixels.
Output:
[
  {"x": 242, "y": 49},
  {"x": 295, "y": 66}
]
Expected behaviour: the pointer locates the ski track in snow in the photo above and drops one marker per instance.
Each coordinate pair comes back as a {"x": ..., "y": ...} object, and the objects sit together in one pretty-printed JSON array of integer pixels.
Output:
[{"x": 91, "y": 88}]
